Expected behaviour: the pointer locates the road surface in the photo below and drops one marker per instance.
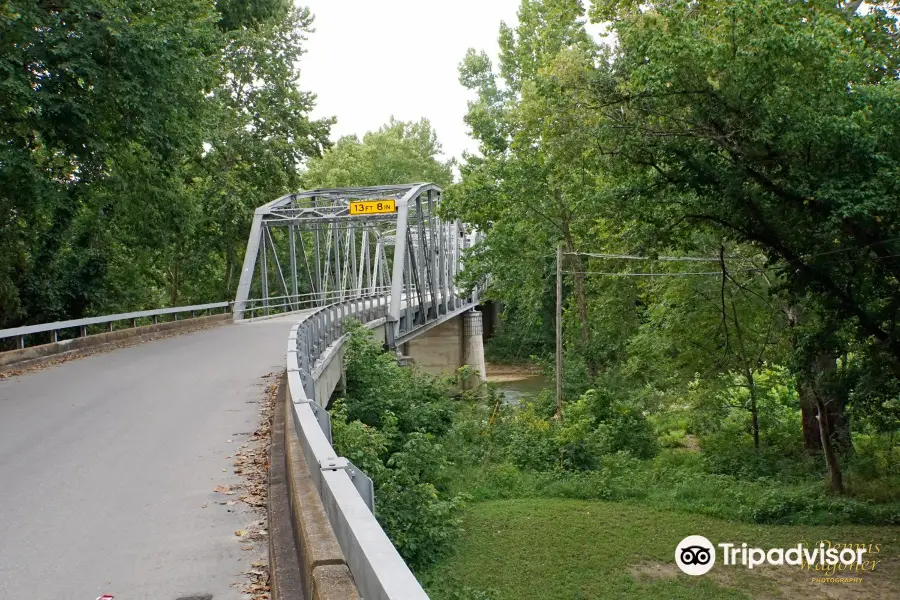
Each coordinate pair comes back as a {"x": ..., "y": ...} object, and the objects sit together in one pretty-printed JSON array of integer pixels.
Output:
[{"x": 106, "y": 463}]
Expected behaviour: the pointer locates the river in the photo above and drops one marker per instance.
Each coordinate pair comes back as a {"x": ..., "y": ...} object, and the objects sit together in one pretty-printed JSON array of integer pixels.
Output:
[{"x": 516, "y": 381}]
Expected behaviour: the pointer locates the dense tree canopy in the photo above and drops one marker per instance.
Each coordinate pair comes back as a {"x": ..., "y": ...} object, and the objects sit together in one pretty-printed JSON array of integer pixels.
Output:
[
  {"x": 759, "y": 136},
  {"x": 137, "y": 137},
  {"x": 398, "y": 152}
]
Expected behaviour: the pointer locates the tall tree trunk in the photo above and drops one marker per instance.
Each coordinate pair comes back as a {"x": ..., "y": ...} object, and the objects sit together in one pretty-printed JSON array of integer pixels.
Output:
[
  {"x": 754, "y": 409},
  {"x": 581, "y": 303},
  {"x": 815, "y": 384},
  {"x": 812, "y": 437},
  {"x": 831, "y": 461}
]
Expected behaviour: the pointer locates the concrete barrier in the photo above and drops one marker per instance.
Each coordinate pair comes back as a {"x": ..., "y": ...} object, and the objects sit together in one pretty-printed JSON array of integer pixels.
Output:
[
  {"x": 378, "y": 571},
  {"x": 36, "y": 355},
  {"x": 284, "y": 565},
  {"x": 323, "y": 570}
]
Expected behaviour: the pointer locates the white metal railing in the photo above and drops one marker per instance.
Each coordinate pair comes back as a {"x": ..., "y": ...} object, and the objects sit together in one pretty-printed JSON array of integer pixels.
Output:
[
  {"x": 274, "y": 305},
  {"x": 82, "y": 324}
]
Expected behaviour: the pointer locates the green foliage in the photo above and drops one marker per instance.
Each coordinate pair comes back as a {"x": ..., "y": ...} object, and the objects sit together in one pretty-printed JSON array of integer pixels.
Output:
[
  {"x": 137, "y": 139},
  {"x": 399, "y": 152},
  {"x": 421, "y": 521},
  {"x": 872, "y": 468},
  {"x": 390, "y": 425},
  {"x": 759, "y": 137},
  {"x": 676, "y": 480},
  {"x": 380, "y": 390},
  {"x": 606, "y": 449},
  {"x": 769, "y": 122},
  {"x": 531, "y": 438}
]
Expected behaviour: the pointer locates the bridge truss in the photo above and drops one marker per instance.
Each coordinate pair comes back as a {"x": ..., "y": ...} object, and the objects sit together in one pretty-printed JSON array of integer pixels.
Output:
[{"x": 310, "y": 249}]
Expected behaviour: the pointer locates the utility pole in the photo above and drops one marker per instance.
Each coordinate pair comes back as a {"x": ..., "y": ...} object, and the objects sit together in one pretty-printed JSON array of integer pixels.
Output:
[{"x": 559, "y": 359}]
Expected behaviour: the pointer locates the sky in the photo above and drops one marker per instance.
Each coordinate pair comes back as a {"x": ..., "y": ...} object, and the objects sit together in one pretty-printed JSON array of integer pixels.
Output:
[{"x": 370, "y": 60}]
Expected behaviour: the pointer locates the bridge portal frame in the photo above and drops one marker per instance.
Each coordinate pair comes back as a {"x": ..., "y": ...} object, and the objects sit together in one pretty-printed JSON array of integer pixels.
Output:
[{"x": 323, "y": 254}]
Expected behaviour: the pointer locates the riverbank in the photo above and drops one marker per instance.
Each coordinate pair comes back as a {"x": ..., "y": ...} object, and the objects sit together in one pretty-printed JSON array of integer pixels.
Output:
[{"x": 502, "y": 373}]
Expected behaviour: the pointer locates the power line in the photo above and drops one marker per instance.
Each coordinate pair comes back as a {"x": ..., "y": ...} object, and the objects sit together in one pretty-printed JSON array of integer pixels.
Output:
[
  {"x": 716, "y": 258},
  {"x": 682, "y": 274},
  {"x": 632, "y": 257},
  {"x": 850, "y": 249}
]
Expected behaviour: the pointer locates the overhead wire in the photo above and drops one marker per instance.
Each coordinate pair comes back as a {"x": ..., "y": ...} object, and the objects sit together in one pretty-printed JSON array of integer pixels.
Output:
[
  {"x": 623, "y": 274},
  {"x": 717, "y": 259}
]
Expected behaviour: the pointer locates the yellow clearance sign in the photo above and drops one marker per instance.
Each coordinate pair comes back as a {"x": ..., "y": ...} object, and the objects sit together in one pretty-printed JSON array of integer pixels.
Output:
[{"x": 373, "y": 207}]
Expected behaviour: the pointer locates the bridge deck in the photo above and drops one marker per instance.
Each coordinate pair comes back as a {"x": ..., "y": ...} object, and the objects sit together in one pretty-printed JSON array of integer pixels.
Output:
[{"x": 106, "y": 463}]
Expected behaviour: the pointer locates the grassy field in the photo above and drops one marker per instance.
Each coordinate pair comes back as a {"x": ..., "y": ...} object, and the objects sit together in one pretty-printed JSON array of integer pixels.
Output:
[{"x": 557, "y": 549}]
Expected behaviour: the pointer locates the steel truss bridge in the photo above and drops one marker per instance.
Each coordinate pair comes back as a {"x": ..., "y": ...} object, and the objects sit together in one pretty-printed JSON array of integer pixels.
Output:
[
  {"x": 320, "y": 254},
  {"x": 307, "y": 250}
]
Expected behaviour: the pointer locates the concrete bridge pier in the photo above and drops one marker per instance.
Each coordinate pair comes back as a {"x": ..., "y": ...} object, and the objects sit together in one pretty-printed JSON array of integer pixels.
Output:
[
  {"x": 443, "y": 349},
  {"x": 473, "y": 346}
]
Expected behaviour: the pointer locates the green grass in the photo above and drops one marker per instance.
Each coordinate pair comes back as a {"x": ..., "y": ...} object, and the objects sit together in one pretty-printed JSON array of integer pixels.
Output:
[
  {"x": 560, "y": 549},
  {"x": 668, "y": 483}
]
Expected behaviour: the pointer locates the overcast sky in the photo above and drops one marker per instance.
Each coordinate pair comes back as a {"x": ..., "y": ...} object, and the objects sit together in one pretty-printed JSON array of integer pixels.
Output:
[{"x": 370, "y": 60}]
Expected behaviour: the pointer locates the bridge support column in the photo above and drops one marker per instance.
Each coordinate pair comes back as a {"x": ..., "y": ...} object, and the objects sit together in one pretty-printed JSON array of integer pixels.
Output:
[
  {"x": 438, "y": 351},
  {"x": 447, "y": 347},
  {"x": 473, "y": 345}
]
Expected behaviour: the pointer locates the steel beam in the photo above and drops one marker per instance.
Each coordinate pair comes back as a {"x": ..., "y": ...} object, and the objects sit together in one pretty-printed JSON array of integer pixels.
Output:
[{"x": 250, "y": 256}]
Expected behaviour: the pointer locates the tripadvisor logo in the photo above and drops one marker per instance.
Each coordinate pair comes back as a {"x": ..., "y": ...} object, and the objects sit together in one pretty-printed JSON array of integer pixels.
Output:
[{"x": 696, "y": 555}]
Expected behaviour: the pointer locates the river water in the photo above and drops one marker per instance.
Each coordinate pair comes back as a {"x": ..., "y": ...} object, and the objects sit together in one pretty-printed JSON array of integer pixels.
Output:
[{"x": 516, "y": 383}]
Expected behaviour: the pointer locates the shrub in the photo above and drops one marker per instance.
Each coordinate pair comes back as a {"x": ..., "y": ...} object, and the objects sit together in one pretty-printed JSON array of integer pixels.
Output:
[
  {"x": 388, "y": 426},
  {"x": 420, "y": 521}
]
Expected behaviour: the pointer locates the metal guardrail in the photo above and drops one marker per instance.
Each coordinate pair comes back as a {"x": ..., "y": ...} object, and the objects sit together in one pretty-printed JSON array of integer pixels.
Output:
[
  {"x": 276, "y": 305},
  {"x": 377, "y": 568},
  {"x": 82, "y": 324}
]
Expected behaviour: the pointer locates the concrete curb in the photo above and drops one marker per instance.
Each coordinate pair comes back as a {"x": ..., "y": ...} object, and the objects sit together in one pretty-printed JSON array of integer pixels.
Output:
[
  {"x": 323, "y": 570},
  {"x": 284, "y": 564},
  {"x": 37, "y": 355}
]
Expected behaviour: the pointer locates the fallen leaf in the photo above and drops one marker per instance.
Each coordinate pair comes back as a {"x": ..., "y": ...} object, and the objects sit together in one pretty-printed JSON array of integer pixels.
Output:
[
  {"x": 222, "y": 489},
  {"x": 240, "y": 533}
]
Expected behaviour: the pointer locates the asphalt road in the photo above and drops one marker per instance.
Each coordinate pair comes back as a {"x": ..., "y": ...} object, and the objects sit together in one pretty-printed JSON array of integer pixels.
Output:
[{"x": 106, "y": 463}]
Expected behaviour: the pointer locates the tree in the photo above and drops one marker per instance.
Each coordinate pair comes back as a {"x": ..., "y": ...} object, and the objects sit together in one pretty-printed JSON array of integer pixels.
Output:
[
  {"x": 108, "y": 201},
  {"x": 399, "y": 152},
  {"x": 529, "y": 189},
  {"x": 776, "y": 122},
  {"x": 96, "y": 94},
  {"x": 705, "y": 326},
  {"x": 261, "y": 136}
]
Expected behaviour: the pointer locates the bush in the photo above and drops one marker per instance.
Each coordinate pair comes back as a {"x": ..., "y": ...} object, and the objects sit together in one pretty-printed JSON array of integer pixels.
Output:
[
  {"x": 377, "y": 386},
  {"x": 388, "y": 426},
  {"x": 592, "y": 427},
  {"x": 874, "y": 456},
  {"x": 420, "y": 521}
]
